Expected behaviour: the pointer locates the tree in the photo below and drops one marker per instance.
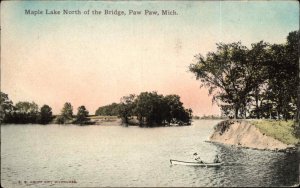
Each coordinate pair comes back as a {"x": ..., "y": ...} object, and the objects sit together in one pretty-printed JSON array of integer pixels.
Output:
[
  {"x": 292, "y": 48},
  {"x": 176, "y": 112},
  {"x": 153, "y": 109},
  {"x": 258, "y": 58},
  {"x": 279, "y": 72},
  {"x": 66, "y": 114},
  {"x": 126, "y": 107},
  {"x": 282, "y": 76},
  {"x": 45, "y": 114},
  {"x": 259, "y": 81},
  {"x": 82, "y": 115},
  {"x": 227, "y": 74},
  {"x": 108, "y": 110},
  {"x": 6, "y": 108},
  {"x": 26, "y": 112},
  {"x": 293, "y": 51},
  {"x": 67, "y": 111}
]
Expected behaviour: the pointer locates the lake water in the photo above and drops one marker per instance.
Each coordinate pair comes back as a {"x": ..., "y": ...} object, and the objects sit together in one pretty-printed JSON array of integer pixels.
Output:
[{"x": 93, "y": 156}]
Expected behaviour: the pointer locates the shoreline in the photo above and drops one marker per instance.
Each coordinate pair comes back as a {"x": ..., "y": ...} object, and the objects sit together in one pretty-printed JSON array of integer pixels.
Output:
[
  {"x": 244, "y": 134},
  {"x": 292, "y": 149}
]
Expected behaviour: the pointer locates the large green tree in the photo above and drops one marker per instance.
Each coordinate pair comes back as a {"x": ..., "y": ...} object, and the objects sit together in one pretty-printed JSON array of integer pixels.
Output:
[
  {"x": 66, "y": 115},
  {"x": 280, "y": 94},
  {"x": 257, "y": 58},
  {"x": 293, "y": 52},
  {"x": 175, "y": 110},
  {"x": 67, "y": 111},
  {"x": 228, "y": 75},
  {"x": 259, "y": 81},
  {"x": 149, "y": 108},
  {"x": 6, "y": 108},
  {"x": 152, "y": 109},
  {"x": 45, "y": 114},
  {"x": 26, "y": 112},
  {"x": 280, "y": 82},
  {"x": 126, "y": 107},
  {"x": 82, "y": 115},
  {"x": 108, "y": 110}
]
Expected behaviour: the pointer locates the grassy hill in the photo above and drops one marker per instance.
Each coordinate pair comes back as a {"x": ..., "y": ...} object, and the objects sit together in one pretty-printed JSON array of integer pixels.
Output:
[{"x": 280, "y": 130}]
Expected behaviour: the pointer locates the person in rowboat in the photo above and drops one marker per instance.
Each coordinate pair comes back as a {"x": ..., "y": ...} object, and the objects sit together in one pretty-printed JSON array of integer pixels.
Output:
[
  {"x": 197, "y": 158},
  {"x": 217, "y": 160}
]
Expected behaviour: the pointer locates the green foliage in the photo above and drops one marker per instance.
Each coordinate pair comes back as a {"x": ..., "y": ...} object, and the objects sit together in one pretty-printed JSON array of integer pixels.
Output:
[
  {"x": 227, "y": 74},
  {"x": 6, "y": 108},
  {"x": 258, "y": 82},
  {"x": 292, "y": 49},
  {"x": 66, "y": 115},
  {"x": 176, "y": 113},
  {"x": 67, "y": 111},
  {"x": 82, "y": 115},
  {"x": 211, "y": 117},
  {"x": 280, "y": 130},
  {"x": 108, "y": 110},
  {"x": 126, "y": 107},
  {"x": 104, "y": 117},
  {"x": 23, "y": 112},
  {"x": 281, "y": 93},
  {"x": 27, "y": 107},
  {"x": 26, "y": 112},
  {"x": 60, "y": 120},
  {"x": 45, "y": 114},
  {"x": 152, "y": 109}
]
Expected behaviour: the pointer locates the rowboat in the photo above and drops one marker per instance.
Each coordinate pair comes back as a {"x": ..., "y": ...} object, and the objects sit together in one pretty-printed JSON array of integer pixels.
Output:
[{"x": 177, "y": 162}]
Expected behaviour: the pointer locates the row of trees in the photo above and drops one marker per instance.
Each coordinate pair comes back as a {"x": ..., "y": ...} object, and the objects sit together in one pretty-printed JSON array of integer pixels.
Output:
[
  {"x": 148, "y": 108},
  {"x": 256, "y": 82},
  {"x": 152, "y": 109},
  {"x": 66, "y": 116},
  {"x": 29, "y": 112},
  {"x": 23, "y": 112}
]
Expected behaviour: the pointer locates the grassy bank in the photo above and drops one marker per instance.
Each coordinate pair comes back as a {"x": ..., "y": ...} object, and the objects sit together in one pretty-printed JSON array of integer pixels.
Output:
[
  {"x": 104, "y": 117},
  {"x": 102, "y": 120},
  {"x": 280, "y": 130}
]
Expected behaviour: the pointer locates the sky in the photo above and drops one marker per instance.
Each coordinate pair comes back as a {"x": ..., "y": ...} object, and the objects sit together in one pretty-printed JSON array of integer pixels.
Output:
[{"x": 94, "y": 60}]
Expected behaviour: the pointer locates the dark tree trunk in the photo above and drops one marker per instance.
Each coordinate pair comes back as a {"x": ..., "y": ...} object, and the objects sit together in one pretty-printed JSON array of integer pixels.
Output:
[
  {"x": 285, "y": 116},
  {"x": 236, "y": 112},
  {"x": 257, "y": 107},
  {"x": 245, "y": 109}
]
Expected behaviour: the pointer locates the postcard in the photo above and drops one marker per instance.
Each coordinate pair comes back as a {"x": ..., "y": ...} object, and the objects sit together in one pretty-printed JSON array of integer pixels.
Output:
[{"x": 150, "y": 93}]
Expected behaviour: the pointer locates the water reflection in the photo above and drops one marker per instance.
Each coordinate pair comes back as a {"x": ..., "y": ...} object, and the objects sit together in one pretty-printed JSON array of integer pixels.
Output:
[{"x": 257, "y": 168}]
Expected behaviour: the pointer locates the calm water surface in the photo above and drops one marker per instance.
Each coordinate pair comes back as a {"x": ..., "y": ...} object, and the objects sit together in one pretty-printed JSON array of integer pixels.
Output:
[{"x": 96, "y": 156}]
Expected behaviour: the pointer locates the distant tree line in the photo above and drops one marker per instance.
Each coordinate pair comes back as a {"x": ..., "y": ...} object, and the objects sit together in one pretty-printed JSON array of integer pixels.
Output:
[
  {"x": 23, "y": 112},
  {"x": 257, "y": 82},
  {"x": 149, "y": 109},
  {"x": 108, "y": 110},
  {"x": 66, "y": 116},
  {"x": 211, "y": 117},
  {"x": 29, "y": 112}
]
